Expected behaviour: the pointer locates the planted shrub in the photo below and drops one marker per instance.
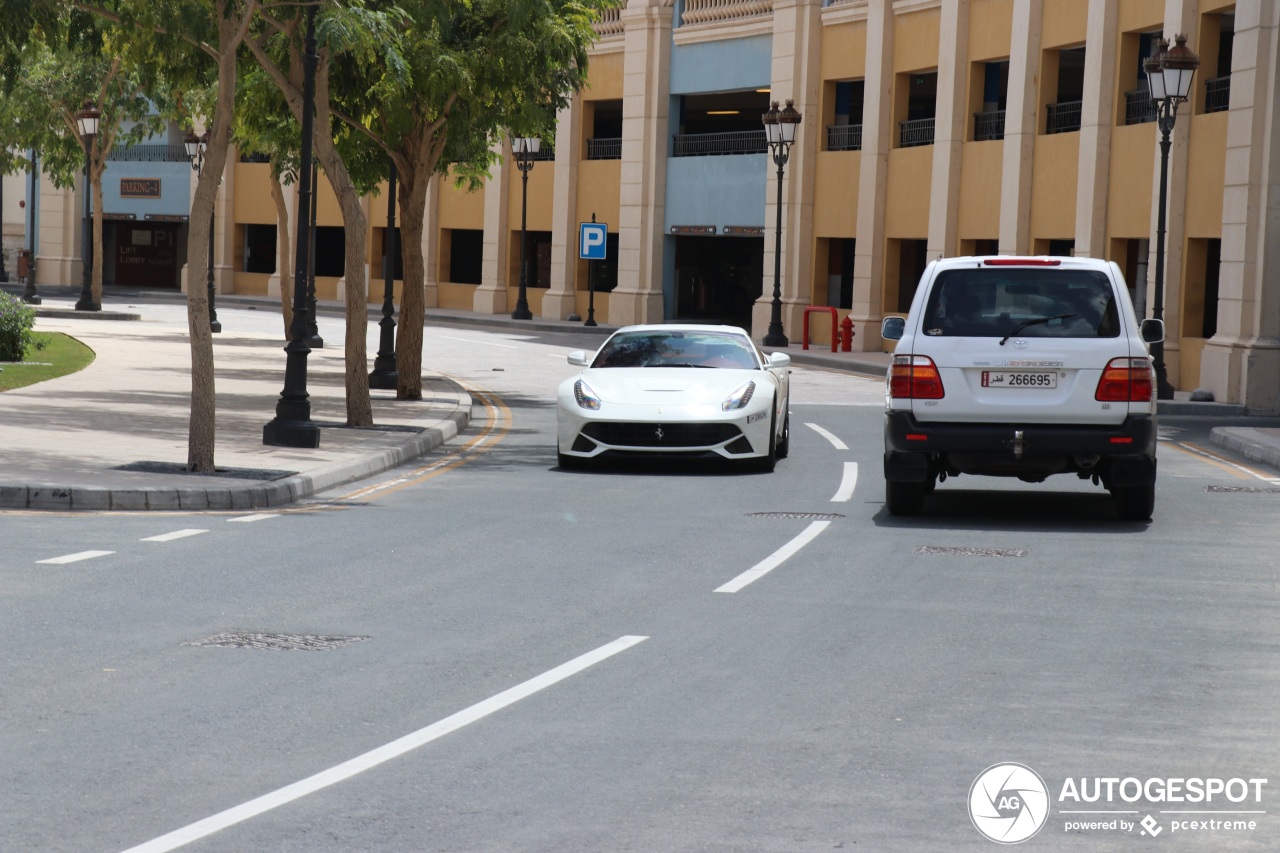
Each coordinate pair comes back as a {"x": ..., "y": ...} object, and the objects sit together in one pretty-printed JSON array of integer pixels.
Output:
[{"x": 16, "y": 320}]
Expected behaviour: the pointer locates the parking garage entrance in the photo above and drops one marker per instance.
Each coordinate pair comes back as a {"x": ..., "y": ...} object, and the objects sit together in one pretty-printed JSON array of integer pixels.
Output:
[{"x": 718, "y": 279}]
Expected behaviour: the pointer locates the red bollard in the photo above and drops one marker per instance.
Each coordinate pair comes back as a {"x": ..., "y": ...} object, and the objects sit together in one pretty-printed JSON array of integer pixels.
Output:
[{"x": 846, "y": 334}]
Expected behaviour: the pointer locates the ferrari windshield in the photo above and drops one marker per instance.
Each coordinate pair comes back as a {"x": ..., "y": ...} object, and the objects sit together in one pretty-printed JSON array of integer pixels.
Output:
[{"x": 677, "y": 348}]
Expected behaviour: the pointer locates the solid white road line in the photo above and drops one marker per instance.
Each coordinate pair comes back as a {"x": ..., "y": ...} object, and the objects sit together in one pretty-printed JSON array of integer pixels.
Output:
[
  {"x": 177, "y": 534},
  {"x": 835, "y": 442},
  {"x": 385, "y": 753},
  {"x": 775, "y": 559},
  {"x": 847, "y": 483},
  {"x": 261, "y": 516},
  {"x": 474, "y": 341},
  {"x": 75, "y": 558}
]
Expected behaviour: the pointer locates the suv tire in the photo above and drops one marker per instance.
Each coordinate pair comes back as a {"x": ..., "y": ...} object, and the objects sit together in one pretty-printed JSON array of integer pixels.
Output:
[
  {"x": 904, "y": 498},
  {"x": 1135, "y": 503}
]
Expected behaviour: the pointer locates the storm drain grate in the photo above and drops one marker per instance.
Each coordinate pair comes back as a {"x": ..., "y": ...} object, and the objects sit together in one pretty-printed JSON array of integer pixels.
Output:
[
  {"x": 276, "y": 642},
  {"x": 819, "y": 516},
  {"x": 1248, "y": 490},
  {"x": 972, "y": 552}
]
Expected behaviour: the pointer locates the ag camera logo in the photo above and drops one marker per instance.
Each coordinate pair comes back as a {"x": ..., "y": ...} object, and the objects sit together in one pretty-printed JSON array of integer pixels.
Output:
[{"x": 1008, "y": 803}]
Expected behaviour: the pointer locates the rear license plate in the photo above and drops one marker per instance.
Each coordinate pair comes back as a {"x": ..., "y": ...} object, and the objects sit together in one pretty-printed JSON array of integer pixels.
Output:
[{"x": 1019, "y": 379}]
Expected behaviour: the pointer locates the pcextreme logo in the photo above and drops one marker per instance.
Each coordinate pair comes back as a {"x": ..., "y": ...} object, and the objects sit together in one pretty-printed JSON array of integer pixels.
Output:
[{"x": 1008, "y": 803}]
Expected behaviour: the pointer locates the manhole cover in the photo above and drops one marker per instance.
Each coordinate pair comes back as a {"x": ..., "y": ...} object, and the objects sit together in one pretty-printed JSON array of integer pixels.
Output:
[
  {"x": 951, "y": 551},
  {"x": 276, "y": 642},
  {"x": 1247, "y": 490},
  {"x": 819, "y": 516}
]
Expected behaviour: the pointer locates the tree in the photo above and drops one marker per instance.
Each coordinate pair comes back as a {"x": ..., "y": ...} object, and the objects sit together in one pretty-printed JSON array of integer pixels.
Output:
[
  {"x": 456, "y": 78},
  {"x": 69, "y": 64}
]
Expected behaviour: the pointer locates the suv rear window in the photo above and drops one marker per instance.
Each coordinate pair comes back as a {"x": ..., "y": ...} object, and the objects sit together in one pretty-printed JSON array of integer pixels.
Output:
[{"x": 1035, "y": 303}]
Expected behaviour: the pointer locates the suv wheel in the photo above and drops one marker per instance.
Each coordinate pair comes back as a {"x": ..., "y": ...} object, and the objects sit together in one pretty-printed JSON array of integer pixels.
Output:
[
  {"x": 1135, "y": 502},
  {"x": 904, "y": 498}
]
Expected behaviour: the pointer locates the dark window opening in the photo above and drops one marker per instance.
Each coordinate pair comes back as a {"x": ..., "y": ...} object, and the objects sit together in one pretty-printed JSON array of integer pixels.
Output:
[
  {"x": 845, "y": 134},
  {"x": 259, "y": 248},
  {"x": 330, "y": 251},
  {"x": 1065, "y": 113},
  {"x": 605, "y": 141},
  {"x": 922, "y": 107},
  {"x": 988, "y": 120},
  {"x": 398, "y": 271},
  {"x": 1212, "y": 267},
  {"x": 912, "y": 256},
  {"x": 466, "y": 255},
  {"x": 721, "y": 123},
  {"x": 603, "y": 275},
  {"x": 840, "y": 254}
]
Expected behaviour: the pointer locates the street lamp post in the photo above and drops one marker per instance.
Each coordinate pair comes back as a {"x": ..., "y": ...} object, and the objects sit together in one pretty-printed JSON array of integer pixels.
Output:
[
  {"x": 1170, "y": 72},
  {"x": 196, "y": 146},
  {"x": 384, "y": 375},
  {"x": 292, "y": 425},
  {"x": 87, "y": 122},
  {"x": 780, "y": 130},
  {"x": 524, "y": 148}
]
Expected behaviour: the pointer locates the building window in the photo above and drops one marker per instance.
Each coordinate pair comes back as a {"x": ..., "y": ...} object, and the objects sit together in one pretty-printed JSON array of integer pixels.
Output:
[
  {"x": 330, "y": 251},
  {"x": 1064, "y": 76},
  {"x": 466, "y": 254},
  {"x": 259, "y": 248},
  {"x": 920, "y": 108},
  {"x": 1138, "y": 106},
  {"x": 605, "y": 142},
  {"x": 721, "y": 123},
  {"x": 989, "y": 106},
  {"x": 603, "y": 275},
  {"x": 1217, "y": 37},
  {"x": 845, "y": 132},
  {"x": 398, "y": 271}
]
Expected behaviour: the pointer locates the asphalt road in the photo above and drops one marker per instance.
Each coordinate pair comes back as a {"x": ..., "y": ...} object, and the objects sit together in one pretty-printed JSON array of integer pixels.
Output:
[{"x": 644, "y": 658}]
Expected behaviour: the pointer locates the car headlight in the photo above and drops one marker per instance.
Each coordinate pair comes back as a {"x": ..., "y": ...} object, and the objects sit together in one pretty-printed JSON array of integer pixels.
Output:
[
  {"x": 586, "y": 398},
  {"x": 739, "y": 399}
]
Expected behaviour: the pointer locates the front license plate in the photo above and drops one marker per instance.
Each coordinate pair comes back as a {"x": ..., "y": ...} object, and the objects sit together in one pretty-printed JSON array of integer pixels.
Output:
[{"x": 1019, "y": 379}]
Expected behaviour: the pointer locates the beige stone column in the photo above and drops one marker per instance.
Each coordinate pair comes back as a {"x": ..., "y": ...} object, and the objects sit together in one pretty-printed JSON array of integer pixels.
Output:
[
  {"x": 1096, "y": 122},
  {"x": 949, "y": 129},
  {"x": 274, "y": 283},
  {"x": 225, "y": 263},
  {"x": 491, "y": 295},
  {"x": 642, "y": 188},
  {"x": 1241, "y": 363},
  {"x": 873, "y": 177},
  {"x": 431, "y": 244},
  {"x": 795, "y": 75},
  {"x": 61, "y": 214},
  {"x": 1021, "y": 121},
  {"x": 558, "y": 301}
]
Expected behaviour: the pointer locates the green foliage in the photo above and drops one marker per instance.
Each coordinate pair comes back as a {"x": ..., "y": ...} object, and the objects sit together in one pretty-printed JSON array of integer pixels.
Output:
[{"x": 16, "y": 320}]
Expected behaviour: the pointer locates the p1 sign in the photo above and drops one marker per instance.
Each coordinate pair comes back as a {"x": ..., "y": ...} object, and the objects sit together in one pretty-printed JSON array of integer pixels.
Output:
[{"x": 591, "y": 241}]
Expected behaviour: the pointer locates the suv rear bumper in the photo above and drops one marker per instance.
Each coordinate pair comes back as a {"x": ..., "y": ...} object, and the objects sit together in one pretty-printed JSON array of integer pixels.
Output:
[{"x": 1129, "y": 447}]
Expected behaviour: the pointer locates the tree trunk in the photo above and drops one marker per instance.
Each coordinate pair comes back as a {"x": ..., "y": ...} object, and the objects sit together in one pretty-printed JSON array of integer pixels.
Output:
[
  {"x": 284, "y": 250},
  {"x": 409, "y": 334}
]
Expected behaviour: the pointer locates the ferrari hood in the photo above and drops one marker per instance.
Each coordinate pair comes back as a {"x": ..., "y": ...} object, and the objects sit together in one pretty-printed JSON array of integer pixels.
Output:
[{"x": 667, "y": 385}]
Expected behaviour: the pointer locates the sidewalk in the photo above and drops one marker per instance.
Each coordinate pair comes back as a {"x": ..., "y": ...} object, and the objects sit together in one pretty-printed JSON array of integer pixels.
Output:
[{"x": 114, "y": 436}]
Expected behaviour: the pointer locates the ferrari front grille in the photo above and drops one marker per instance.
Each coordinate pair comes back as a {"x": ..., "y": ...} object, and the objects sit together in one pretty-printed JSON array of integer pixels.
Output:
[{"x": 660, "y": 435}]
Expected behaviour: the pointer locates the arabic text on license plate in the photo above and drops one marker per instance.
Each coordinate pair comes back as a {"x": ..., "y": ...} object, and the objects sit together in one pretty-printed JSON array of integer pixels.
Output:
[{"x": 1019, "y": 379}]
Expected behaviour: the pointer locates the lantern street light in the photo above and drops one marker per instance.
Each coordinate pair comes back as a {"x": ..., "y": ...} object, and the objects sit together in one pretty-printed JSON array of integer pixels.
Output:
[
  {"x": 780, "y": 131},
  {"x": 385, "y": 376},
  {"x": 1170, "y": 73},
  {"x": 87, "y": 123},
  {"x": 196, "y": 146},
  {"x": 524, "y": 148}
]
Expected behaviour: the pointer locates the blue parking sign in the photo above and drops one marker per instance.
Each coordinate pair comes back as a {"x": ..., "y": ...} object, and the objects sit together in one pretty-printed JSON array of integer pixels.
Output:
[{"x": 591, "y": 241}]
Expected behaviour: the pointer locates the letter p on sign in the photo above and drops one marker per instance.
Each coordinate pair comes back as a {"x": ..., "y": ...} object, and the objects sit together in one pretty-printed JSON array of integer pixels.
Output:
[{"x": 591, "y": 241}]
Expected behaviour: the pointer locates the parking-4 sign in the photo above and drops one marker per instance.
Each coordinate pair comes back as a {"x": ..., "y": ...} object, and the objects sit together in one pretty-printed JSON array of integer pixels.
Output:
[{"x": 591, "y": 241}]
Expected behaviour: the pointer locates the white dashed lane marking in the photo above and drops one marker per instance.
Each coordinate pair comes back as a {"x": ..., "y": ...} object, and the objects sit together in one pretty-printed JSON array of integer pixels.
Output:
[
  {"x": 261, "y": 516},
  {"x": 75, "y": 558},
  {"x": 777, "y": 558},
  {"x": 835, "y": 442},
  {"x": 177, "y": 534},
  {"x": 847, "y": 483}
]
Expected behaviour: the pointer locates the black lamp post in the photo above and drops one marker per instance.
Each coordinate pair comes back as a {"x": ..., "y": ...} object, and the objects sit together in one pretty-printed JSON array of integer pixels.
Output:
[
  {"x": 292, "y": 425},
  {"x": 1170, "y": 73},
  {"x": 385, "y": 375},
  {"x": 4, "y": 274},
  {"x": 87, "y": 121},
  {"x": 196, "y": 146},
  {"x": 780, "y": 130},
  {"x": 313, "y": 330},
  {"x": 524, "y": 148},
  {"x": 29, "y": 294}
]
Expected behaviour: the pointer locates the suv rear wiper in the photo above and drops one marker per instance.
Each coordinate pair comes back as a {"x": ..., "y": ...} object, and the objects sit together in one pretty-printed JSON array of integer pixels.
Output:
[{"x": 1034, "y": 322}]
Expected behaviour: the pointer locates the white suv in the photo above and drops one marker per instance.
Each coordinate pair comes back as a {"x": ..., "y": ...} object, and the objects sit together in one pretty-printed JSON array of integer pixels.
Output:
[{"x": 1021, "y": 367}]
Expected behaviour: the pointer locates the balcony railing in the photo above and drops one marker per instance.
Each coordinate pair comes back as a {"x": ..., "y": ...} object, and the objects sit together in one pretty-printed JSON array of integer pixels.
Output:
[
  {"x": 988, "y": 125},
  {"x": 1063, "y": 117},
  {"x": 844, "y": 137},
  {"x": 149, "y": 153},
  {"x": 610, "y": 23},
  {"x": 715, "y": 144},
  {"x": 253, "y": 157},
  {"x": 1217, "y": 94},
  {"x": 914, "y": 132},
  {"x": 604, "y": 149},
  {"x": 723, "y": 11},
  {"x": 1138, "y": 107}
]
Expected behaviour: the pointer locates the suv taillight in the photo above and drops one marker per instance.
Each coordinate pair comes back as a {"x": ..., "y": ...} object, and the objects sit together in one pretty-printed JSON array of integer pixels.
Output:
[
  {"x": 914, "y": 377},
  {"x": 1125, "y": 380}
]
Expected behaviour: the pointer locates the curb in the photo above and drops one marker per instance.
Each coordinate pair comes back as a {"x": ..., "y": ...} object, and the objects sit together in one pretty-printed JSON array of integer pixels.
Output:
[
  {"x": 1248, "y": 442},
  {"x": 276, "y": 493}
]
